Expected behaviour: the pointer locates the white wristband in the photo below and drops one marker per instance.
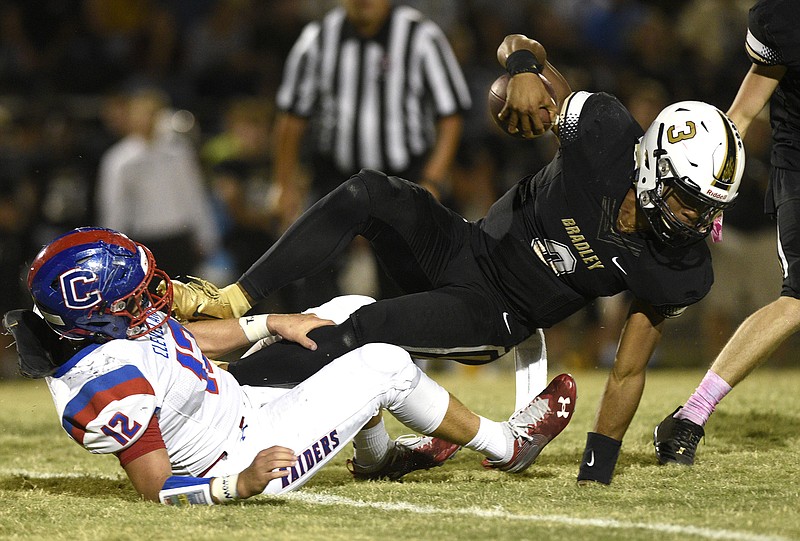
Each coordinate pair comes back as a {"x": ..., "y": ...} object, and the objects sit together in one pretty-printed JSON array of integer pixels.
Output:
[
  {"x": 224, "y": 488},
  {"x": 255, "y": 327},
  {"x": 184, "y": 491}
]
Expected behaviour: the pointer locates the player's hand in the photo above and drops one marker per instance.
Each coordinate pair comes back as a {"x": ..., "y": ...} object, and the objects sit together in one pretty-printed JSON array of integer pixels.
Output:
[
  {"x": 266, "y": 466},
  {"x": 525, "y": 95},
  {"x": 295, "y": 327}
]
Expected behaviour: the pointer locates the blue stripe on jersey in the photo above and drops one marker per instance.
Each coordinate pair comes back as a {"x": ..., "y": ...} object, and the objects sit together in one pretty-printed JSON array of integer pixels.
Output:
[
  {"x": 179, "y": 481},
  {"x": 79, "y": 403}
]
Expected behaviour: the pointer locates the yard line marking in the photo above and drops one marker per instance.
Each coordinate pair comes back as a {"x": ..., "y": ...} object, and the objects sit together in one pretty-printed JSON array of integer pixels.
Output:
[
  {"x": 498, "y": 513},
  {"x": 61, "y": 475}
]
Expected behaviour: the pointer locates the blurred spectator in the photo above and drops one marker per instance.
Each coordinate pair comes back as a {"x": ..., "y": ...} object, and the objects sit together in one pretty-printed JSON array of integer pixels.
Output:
[
  {"x": 150, "y": 186},
  {"x": 711, "y": 48},
  {"x": 17, "y": 205},
  {"x": 137, "y": 38},
  {"x": 18, "y": 56},
  {"x": 238, "y": 161},
  {"x": 218, "y": 56}
]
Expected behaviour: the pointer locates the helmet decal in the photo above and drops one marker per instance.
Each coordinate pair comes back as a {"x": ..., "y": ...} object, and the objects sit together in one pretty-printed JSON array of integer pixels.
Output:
[
  {"x": 725, "y": 178},
  {"x": 79, "y": 289},
  {"x": 675, "y": 137}
]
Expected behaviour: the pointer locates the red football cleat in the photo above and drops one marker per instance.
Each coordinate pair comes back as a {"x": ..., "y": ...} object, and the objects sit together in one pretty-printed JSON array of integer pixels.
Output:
[
  {"x": 408, "y": 453},
  {"x": 535, "y": 425}
]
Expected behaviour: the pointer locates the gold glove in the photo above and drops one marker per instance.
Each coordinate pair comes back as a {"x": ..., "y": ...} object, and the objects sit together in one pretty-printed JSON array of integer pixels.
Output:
[{"x": 200, "y": 299}]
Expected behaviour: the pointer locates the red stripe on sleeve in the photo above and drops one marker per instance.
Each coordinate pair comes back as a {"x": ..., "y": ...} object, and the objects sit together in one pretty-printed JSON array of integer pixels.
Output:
[{"x": 149, "y": 441}]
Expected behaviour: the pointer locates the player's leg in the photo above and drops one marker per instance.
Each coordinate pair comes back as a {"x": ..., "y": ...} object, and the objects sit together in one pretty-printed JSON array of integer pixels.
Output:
[
  {"x": 510, "y": 446},
  {"x": 318, "y": 417},
  {"x": 677, "y": 436},
  {"x": 402, "y": 221},
  {"x": 458, "y": 323},
  {"x": 413, "y": 235},
  {"x": 321, "y": 415}
]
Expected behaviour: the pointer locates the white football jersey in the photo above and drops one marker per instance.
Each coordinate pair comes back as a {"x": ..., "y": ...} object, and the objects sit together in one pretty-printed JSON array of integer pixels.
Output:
[{"x": 107, "y": 394}]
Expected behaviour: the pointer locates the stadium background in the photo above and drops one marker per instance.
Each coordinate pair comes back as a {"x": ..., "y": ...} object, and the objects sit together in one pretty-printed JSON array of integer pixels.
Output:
[{"x": 65, "y": 63}]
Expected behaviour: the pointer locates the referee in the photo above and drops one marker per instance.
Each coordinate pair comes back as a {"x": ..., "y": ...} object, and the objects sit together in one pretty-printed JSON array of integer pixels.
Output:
[{"x": 381, "y": 88}]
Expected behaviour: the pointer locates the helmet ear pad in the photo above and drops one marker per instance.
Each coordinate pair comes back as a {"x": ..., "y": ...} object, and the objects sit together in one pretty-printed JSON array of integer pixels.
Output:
[
  {"x": 693, "y": 148},
  {"x": 96, "y": 283}
]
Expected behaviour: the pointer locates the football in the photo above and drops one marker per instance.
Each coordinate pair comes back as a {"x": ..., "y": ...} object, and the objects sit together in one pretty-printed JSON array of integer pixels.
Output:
[{"x": 497, "y": 100}]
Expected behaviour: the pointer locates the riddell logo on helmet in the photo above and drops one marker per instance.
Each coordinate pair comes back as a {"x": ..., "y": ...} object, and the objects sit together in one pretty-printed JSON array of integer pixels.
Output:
[{"x": 715, "y": 195}]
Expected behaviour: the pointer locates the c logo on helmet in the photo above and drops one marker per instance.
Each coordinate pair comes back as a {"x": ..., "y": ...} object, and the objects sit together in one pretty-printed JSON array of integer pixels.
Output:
[
  {"x": 691, "y": 131},
  {"x": 78, "y": 287}
]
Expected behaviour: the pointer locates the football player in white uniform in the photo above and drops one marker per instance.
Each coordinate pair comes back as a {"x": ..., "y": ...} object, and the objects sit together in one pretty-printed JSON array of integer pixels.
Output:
[{"x": 129, "y": 380}]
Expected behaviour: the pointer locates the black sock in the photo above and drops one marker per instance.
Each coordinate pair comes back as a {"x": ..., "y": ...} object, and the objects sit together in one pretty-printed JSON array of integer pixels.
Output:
[{"x": 599, "y": 458}]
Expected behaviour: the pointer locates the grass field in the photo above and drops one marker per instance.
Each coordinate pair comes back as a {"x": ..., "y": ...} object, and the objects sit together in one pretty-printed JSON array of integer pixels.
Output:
[{"x": 744, "y": 485}]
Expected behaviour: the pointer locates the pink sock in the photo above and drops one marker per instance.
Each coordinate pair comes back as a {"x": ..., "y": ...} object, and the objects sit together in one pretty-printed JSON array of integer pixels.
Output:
[{"x": 705, "y": 398}]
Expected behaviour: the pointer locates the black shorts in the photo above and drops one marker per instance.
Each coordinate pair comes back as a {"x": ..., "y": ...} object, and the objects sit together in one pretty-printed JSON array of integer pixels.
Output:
[{"x": 783, "y": 200}]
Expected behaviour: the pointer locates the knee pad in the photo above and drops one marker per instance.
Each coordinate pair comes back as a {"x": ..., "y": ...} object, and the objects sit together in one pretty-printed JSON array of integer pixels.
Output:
[
  {"x": 380, "y": 187},
  {"x": 360, "y": 186},
  {"x": 424, "y": 407},
  {"x": 389, "y": 359}
]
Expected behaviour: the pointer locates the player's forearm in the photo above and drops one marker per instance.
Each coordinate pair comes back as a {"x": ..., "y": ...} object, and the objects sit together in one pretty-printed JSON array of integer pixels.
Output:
[
  {"x": 516, "y": 42},
  {"x": 444, "y": 151},
  {"x": 625, "y": 384},
  {"x": 289, "y": 130},
  {"x": 754, "y": 93},
  {"x": 221, "y": 336},
  {"x": 218, "y": 337}
]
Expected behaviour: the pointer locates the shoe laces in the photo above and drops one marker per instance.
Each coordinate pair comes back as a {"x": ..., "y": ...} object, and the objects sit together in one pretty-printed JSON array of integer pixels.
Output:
[
  {"x": 528, "y": 417},
  {"x": 686, "y": 433},
  {"x": 407, "y": 441}
]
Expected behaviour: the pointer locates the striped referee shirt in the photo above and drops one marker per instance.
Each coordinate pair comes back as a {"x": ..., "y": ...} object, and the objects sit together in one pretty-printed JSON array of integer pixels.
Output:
[{"x": 373, "y": 102}]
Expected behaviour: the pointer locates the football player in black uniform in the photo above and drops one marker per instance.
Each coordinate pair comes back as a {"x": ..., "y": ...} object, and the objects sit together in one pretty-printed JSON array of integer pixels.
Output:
[
  {"x": 773, "y": 45},
  {"x": 616, "y": 210}
]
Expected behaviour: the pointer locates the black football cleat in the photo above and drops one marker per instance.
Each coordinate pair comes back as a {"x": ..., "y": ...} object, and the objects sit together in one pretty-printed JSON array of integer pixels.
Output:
[{"x": 676, "y": 440}]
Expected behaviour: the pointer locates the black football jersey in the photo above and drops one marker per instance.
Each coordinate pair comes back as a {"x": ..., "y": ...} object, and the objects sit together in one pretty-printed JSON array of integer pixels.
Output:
[
  {"x": 563, "y": 219},
  {"x": 773, "y": 39}
]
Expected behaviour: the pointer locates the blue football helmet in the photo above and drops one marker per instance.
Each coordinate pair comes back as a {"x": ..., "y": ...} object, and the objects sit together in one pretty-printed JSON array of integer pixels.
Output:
[{"x": 95, "y": 283}]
